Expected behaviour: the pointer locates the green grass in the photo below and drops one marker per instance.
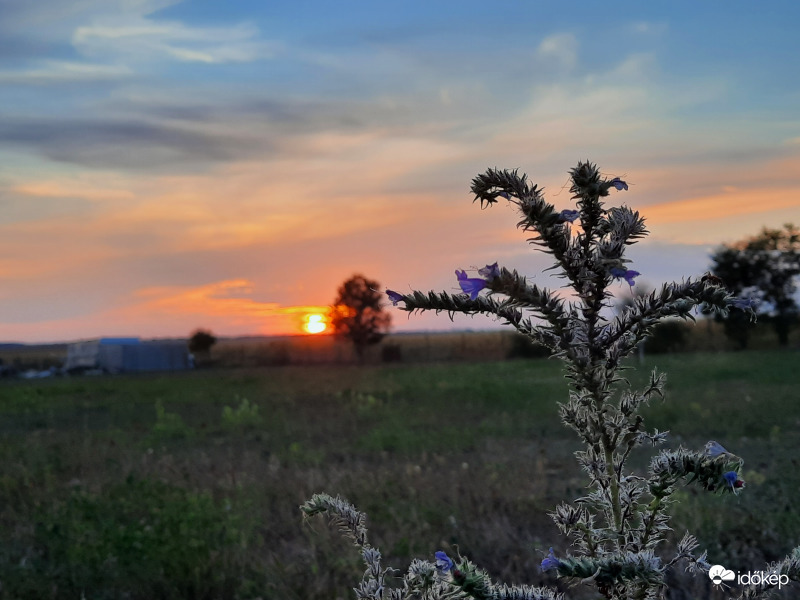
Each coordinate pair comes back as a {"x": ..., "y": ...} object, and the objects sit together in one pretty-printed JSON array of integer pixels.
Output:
[{"x": 173, "y": 486}]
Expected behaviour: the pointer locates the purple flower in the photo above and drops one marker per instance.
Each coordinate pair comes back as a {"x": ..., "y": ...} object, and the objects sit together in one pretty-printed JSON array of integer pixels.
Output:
[
  {"x": 732, "y": 479},
  {"x": 550, "y": 561},
  {"x": 443, "y": 562},
  {"x": 626, "y": 274},
  {"x": 505, "y": 195},
  {"x": 394, "y": 297},
  {"x": 569, "y": 215},
  {"x": 619, "y": 184},
  {"x": 744, "y": 303},
  {"x": 714, "y": 449},
  {"x": 471, "y": 286},
  {"x": 489, "y": 272}
]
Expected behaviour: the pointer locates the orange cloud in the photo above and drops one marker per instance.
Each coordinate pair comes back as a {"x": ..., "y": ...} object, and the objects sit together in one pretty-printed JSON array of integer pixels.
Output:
[
  {"x": 229, "y": 301},
  {"x": 71, "y": 189},
  {"x": 237, "y": 206},
  {"x": 731, "y": 201},
  {"x": 225, "y": 307}
]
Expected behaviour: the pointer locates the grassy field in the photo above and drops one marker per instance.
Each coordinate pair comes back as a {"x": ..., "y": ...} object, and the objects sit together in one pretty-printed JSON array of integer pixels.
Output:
[{"x": 188, "y": 485}]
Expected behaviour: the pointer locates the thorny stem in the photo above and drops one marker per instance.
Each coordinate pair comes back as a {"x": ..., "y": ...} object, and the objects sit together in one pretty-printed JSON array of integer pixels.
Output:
[
  {"x": 587, "y": 535},
  {"x": 596, "y": 358},
  {"x": 654, "y": 507},
  {"x": 615, "y": 504}
]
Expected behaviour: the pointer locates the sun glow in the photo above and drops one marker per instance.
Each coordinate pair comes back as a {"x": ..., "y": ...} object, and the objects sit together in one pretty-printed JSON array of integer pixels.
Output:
[{"x": 315, "y": 324}]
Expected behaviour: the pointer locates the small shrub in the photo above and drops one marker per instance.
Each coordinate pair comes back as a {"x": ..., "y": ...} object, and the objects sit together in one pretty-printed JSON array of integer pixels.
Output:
[
  {"x": 244, "y": 416},
  {"x": 169, "y": 425}
]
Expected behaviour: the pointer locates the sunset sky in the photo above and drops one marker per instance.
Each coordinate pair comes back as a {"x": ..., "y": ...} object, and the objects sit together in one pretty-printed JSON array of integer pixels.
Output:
[{"x": 170, "y": 165}]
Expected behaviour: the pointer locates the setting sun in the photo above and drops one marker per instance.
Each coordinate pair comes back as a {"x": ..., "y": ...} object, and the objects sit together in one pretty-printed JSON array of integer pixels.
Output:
[{"x": 315, "y": 324}]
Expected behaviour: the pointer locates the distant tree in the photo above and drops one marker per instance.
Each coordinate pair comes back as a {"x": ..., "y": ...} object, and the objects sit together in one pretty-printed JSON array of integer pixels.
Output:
[
  {"x": 762, "y": 269},
  {"x": 201, "y": 341},
  {"x": 358, "y": 313}
]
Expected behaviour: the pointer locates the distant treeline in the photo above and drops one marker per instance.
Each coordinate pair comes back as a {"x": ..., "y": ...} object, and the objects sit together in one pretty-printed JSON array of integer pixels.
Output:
[{"x": 671, "y": 336}]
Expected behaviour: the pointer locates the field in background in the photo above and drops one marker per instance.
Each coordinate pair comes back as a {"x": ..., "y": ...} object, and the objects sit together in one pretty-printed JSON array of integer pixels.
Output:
[
  {"x": 704, "y": 336},
  {"x": 327, "y": 349},
  {"x": 187, "y": 485}
]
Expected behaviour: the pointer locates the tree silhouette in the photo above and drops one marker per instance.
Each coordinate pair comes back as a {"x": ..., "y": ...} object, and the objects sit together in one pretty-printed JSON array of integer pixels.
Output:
[
  {"x": 358, "y": 315},
  {"x": 763, "y": 269},
  {"x": 201, "y": 341}
]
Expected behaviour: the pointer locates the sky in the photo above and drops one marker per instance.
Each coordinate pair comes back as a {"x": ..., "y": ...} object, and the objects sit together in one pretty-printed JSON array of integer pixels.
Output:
[{"x": 170, "y": 165}]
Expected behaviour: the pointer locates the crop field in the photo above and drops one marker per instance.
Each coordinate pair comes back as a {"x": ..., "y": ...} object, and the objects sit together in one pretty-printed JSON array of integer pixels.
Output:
[{"x": 188, "y": 485}]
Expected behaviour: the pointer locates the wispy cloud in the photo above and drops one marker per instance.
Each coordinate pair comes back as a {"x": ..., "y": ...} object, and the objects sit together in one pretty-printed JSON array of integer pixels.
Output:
[
  {"x": 232, "y": 298},
  {"x": 727, "y": 203},
  {"x": 230, "y": 301},
  {"x": 57, "y": 19},
  {"x": 61, "y": 72},
  {"x": 560, "y": 49},
  {"x": 124, "y": 143},
  {"x": 652, "y": 28},
  {"x": 224, "y": 306},
  {"x": 137, "y": 38},
  {"x": 88, "y": 188}
]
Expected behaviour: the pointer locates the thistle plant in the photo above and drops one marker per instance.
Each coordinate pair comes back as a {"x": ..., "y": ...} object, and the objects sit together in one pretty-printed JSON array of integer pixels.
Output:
[{"x": 619, "y": 528}]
